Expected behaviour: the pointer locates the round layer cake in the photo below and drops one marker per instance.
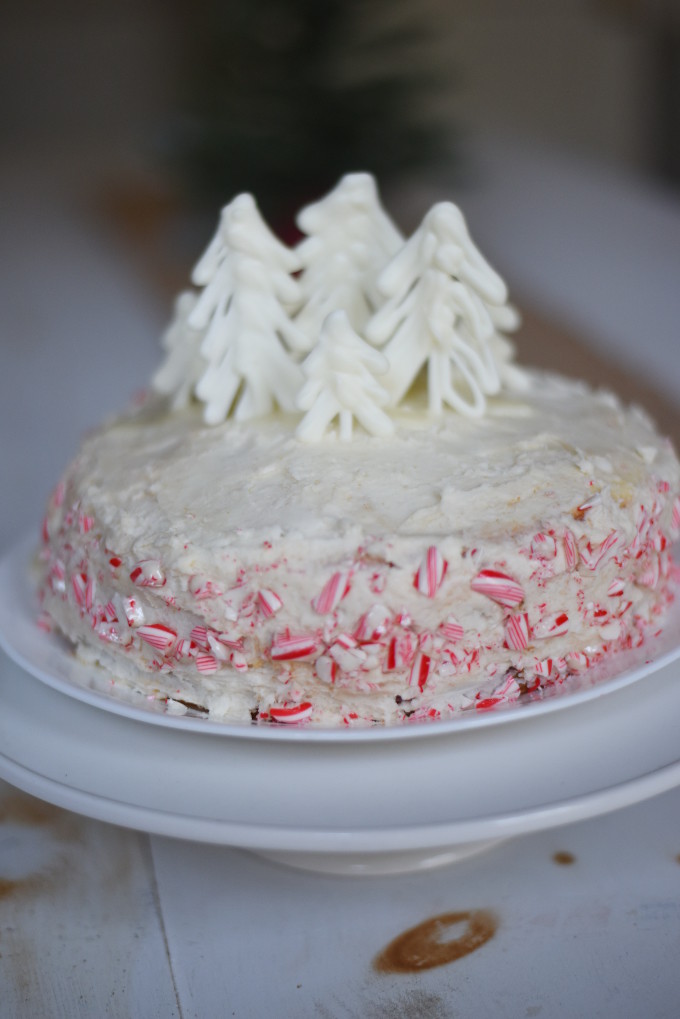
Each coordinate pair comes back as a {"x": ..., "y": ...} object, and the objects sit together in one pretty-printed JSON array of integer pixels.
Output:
[{"x": 455, "y": 564}]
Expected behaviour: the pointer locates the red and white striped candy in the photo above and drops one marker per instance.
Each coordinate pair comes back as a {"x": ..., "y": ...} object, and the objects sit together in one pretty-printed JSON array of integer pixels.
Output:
[
  {"x": 235, "y": 643},
  {"x": 642, "y": 523},
  {"x": 217, "y": 647},
  {"x": 508, "y": 687},
  {"x": 109, "y": 612},
  {"x": 239, "y": 661},
  {"x": 499, "y": 587},
  {"x": 578, "y": 661},
  {"x": 269, "y": 602},
  {"x": 675, "y": 518},
  {"x": 347, "y": 653},
  {"x": 134, "y": 613},
  {"x": 420, "y": 670},
  {"x": 57, "y": 576},
  {"x": 486, "y": 703},
  {"x": 451, "y": 629},
  {"x": 588, "y": 505},
  {"x": 623, "y": 608},
  {"x": 83, "y": 590},
  {"x": 199, "y": 635},
  {"x": 206, "y": 663},
  {"x": 157, "y": 635},
  {"x": 44, "y": 622},
  {"x": 186, "y": 648},
  {"x": 201, "y": 587},
  {"x": 105, "y": 631},
  {"x": 231, "y": 612},
  {"x": 374, "y": 653},
  {"x": 592, "y": 557},
  {"x": 552, "y": 626},
  {"x": 504, "y": 693},
  {"x": 596, "y": 614},
  {"x": 332, "y": 593},
  {"x": 652, "y": 572},
  {"x": 660, "y": 541},
  {"x": 609, "y": 544},
  {"x": 517, "y": 631},
  {"x": 431, "y": 572},
  {"x": 57, "y": 569},
  {"x": 148, "y": 573},
  {"x": 286, "y": 647},
  {"x": 399, "y": 652},
  {"x": 616, "y": 588},
  {"x": 85, "y": 522},
  {"x": 543, "y": 546},
  {"x": 291, "y": 713},
  {"x": 666, "y": 565},
  {"x": 543, "y": 667},
  {"x": 611, "y": 630},
  {"x": 372, "y": 624},
  {"x": 326, "y": 668},
  {"x": 570, "y": 549}
]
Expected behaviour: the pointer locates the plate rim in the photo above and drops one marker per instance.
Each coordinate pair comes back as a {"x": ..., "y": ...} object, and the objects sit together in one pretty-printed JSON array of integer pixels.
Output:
[
  {"x": 385, "y": 839},
  {"x": 44, "y": 756}
]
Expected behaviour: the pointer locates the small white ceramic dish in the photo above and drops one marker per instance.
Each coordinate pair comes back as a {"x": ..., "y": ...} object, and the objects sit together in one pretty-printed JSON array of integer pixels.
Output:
[{"x": 337, "y": 805}]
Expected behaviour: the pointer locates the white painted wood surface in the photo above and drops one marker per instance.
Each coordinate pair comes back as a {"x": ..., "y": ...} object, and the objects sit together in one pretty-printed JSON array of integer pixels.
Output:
[
  {"x": 81, "y": 933},
  {"x": 98, "y": 921}
]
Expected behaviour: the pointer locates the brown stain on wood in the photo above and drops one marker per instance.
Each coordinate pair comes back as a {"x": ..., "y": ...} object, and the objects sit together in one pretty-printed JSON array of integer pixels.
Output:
[
  {"x": 563, "y": 858},
  {"x": 20, "y": 809},
  {"x": 8, "y": 887},
  {"x": 23, "y": 809},
  {"x": 424, "y": 946}
]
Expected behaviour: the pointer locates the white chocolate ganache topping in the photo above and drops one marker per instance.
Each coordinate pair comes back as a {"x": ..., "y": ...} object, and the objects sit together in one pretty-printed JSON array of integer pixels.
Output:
[{"x": 487, "y": 532}]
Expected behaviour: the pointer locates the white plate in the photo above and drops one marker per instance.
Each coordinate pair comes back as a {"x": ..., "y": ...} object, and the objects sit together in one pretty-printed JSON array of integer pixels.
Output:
[
  {"x": 50, "y": 659},
  {"x": 379, "y": 807},
  {"x": 373, "y": 805}
]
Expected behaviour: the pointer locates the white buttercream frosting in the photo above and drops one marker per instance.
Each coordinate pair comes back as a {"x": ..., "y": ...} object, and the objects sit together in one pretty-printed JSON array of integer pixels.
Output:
[{"x": 455, "y": 563}]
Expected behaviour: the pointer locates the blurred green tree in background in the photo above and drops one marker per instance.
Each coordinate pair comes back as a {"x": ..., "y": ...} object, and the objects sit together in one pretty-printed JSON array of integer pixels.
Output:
[{"x": 284, "y": 96}]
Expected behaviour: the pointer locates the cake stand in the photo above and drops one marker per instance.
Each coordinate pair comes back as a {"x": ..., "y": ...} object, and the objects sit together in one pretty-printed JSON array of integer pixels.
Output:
[{"x": 341, "y": 801}]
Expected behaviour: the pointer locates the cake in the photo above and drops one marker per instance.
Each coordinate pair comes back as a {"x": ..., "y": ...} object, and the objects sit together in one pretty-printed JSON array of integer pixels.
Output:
[{"x": 342, "y": 503}]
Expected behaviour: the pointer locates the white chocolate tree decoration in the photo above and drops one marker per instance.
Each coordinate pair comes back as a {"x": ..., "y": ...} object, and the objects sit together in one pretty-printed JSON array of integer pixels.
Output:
[
  {"x": 349, "y": 240},
  {"x": 243, "y": 313},
  {"x": 341, "y": 383},
  {"x": 184, "y": 364},
  {"x": 440, "y": 292},
  {"x": 235, "y": 344}
]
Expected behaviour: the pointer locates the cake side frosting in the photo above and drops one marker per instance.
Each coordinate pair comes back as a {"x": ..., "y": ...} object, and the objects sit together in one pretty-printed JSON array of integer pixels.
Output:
[{"x": 454, "y": 564}]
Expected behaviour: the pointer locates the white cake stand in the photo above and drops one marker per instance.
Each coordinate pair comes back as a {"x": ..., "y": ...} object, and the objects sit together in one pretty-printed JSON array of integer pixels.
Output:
[{"x": 371, "y": 801}]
